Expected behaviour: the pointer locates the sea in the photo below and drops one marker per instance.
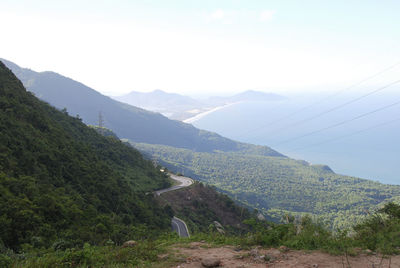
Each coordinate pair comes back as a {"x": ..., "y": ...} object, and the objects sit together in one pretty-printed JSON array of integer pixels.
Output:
[{"x": 358, "y": 138}]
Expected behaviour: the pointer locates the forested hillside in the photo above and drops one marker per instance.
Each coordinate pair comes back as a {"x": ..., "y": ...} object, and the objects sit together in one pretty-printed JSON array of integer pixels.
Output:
[
  {"x": 126, "y": 121},
  {"x": 276, "y": 185},
  {"x": 273, "y": 184},
  {"x": 200, "y": 205},
  {"x": 63, "y": 184}
]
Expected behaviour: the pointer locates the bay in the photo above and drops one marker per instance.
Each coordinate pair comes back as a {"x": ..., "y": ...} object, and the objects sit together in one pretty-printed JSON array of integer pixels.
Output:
[{"x": 367, "y": 147}]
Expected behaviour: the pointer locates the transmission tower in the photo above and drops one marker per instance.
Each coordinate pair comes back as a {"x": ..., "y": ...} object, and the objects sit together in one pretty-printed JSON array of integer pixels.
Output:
[{"x": 101, "y": 123}]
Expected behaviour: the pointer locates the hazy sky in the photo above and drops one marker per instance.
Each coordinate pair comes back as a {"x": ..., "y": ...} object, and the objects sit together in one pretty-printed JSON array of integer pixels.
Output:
[{"x": 203, "y": 46}]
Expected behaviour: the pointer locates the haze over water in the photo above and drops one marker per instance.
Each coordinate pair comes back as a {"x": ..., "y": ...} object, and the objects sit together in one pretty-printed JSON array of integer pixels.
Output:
[{"x": 372, "y": 154}]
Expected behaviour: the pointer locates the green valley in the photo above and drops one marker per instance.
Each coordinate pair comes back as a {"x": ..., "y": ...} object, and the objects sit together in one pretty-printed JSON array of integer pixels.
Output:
[{"x": 279, "y": 185}]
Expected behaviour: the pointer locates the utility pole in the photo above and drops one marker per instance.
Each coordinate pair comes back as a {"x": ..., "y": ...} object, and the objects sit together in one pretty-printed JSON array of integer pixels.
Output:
[{"x": 101, "y": 123}]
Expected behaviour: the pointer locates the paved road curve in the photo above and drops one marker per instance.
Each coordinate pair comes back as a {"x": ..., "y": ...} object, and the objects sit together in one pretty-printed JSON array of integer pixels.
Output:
[
  {"x": 177, "y": 224},
  {"x": 183, "y": 182},
  {"x": 180, "y": 227}
]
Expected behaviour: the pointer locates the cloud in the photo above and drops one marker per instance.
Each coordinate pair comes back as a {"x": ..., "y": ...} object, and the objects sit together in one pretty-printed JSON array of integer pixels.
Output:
[
  {"x": 223, "y": 16},
  {"x": 237, "y": 16},
  {"x": 218, "y": 15},
  {"x": 267, "y": 15}
]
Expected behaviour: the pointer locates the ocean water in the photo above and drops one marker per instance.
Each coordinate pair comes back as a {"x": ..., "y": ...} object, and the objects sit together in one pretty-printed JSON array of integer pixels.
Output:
[{"x": 367, "y": 147}]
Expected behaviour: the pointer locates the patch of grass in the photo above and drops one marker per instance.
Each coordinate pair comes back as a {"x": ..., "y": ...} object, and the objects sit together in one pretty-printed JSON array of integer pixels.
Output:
[
  {"x": 379, "y": 233},
  {"x": 145, "y": 254}
]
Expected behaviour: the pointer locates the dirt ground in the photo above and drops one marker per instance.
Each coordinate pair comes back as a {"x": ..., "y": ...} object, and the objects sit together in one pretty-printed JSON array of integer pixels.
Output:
[{"x": 231, "y": 257}]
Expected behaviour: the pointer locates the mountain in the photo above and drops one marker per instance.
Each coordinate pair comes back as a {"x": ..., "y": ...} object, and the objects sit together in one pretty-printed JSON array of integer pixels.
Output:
[
  {"x": 172, "y": 105},
  {"x": 249, "y": 95},
  {"x": 62, "y": 182},
  {"x": 157, "y": 99},
  {"x": 126, "y": 121},
  {"x": 255, "y": 175},
  {"x": 252, "y": 95},
  {"x": 180, "y": 107}
]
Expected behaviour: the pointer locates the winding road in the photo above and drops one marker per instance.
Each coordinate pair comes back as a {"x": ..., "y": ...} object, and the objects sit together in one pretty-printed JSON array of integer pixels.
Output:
[
  {"x": 180, "y": 227},
  {"x": 183, "y": 182},
  {"x": 177, "y": 224}
]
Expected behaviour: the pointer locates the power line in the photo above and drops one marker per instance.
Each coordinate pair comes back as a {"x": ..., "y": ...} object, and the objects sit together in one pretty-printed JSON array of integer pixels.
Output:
[
  {"x": 327, "y": 98},
  {"x": 340, "y": 123},
  {"x": 338, "y": 106},
  {"x": 345, "y": 136},
  {"x": 340, "y": 92}
]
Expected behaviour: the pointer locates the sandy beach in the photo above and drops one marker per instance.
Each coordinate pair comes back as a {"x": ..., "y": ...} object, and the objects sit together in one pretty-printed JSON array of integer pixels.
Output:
[{"x": 201, "y": 115}]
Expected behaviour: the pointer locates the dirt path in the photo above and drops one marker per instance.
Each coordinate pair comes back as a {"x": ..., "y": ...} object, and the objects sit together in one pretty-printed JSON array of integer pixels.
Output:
[{"x": 235, "y": 258}]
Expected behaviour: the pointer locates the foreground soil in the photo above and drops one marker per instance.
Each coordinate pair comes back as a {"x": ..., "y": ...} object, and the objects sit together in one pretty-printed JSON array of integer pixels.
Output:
[{"x": 192, "y": 255}]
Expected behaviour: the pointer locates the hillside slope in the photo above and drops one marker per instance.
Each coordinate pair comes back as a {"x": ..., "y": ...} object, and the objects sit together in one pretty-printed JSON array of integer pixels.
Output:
[
  {"x": 126, "y": 121},
  {"x": 200, "y": 205},
  {"x": 276, "y": 185},
  {"x": 62, "y": 181}
]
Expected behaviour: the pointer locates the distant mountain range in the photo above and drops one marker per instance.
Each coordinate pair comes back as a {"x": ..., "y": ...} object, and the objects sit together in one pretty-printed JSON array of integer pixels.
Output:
[
  {"x": 255, "y": 175},
  {"x": 172, "y": 105},
  {"x": 126, "y": 121},
  {"x": 249, "y": 95},
  {"x": 181, "y": 107}
]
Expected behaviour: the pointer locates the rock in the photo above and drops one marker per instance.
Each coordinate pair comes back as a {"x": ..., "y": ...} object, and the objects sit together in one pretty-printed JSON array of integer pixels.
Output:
[
  {"x": 194, "y": 246},
  {"x": 217, "y": 224},
  {"x": 260, "y": 259},
  {"x": 163, "y": 257},
  {"x": 283, "y": 249},
  {"x": 269, "y": 258},
  {"x": 221, "y": 231},
  {"x": 219, "y": 227},
  {"x": 315, "y": 265},
  {"x": 254, "y": 252},
  {"x": 129, "y": 244},
  {"x": 211, "y": 262},
  {"x": 260, "y": 217}
]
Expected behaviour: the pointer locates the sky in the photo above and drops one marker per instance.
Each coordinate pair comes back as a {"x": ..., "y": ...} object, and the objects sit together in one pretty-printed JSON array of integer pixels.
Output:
[{"x": 204, "y": 46}]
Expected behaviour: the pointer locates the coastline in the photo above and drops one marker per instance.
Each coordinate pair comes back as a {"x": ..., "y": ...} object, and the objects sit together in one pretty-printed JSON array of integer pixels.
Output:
[{"x": 193, "y": 119}]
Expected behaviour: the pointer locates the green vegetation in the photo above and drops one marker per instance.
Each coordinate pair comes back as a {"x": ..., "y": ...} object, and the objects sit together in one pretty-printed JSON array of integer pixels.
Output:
[
  {"x": 126, "y": 121},
  {"x": 62, "y": 184},
  {"x": 279, "y": 185},
  {"x": 69, "y": 196},
  {"x": 379, "y": 233},
  {"x": 144, "y": 254},
  {"x": 200, "y": 205},
  {"x": 104, "y": 131}
]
